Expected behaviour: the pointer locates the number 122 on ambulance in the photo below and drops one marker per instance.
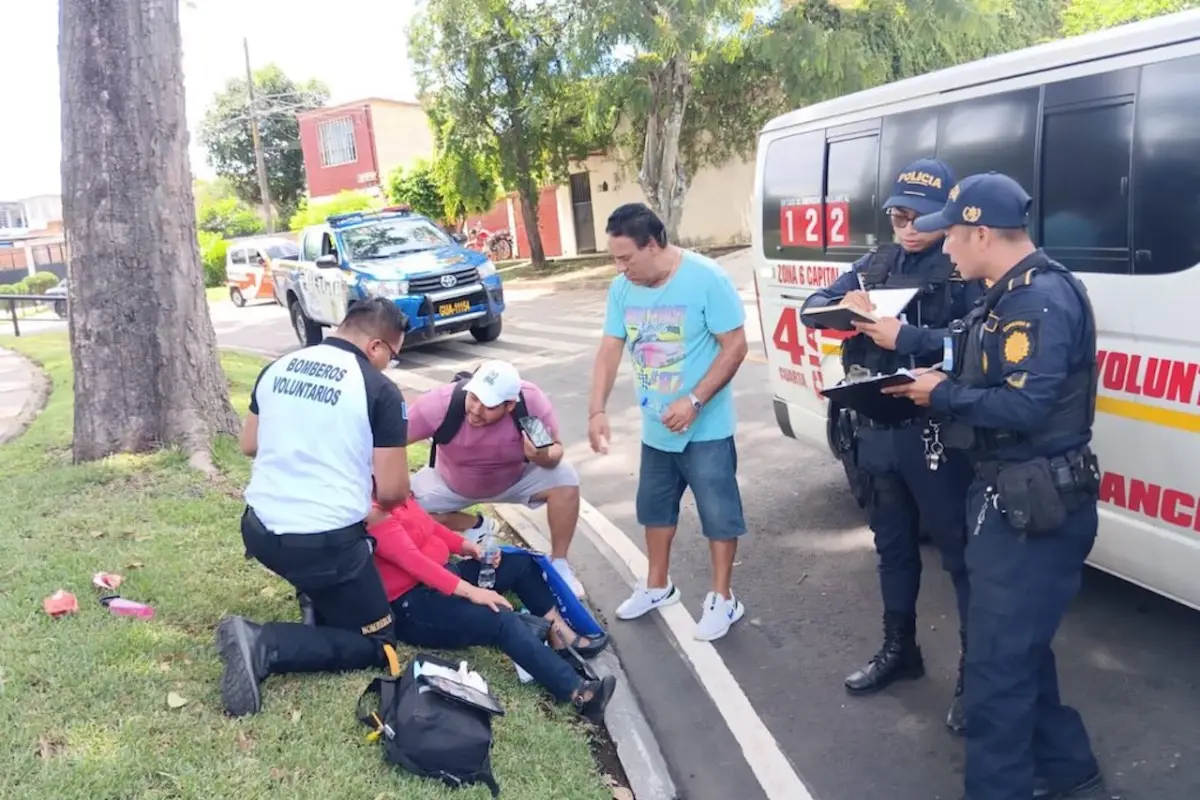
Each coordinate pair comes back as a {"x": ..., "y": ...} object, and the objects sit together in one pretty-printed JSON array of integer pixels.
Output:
[{"x": 814, "y": 224}]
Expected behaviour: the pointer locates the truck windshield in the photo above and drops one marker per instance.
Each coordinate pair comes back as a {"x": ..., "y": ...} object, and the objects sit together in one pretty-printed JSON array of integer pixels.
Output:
[{"x": 391, "y": 237}]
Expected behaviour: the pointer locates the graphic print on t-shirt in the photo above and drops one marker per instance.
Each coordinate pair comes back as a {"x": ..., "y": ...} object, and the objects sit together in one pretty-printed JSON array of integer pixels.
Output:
[{"x": 656, "y": 341}]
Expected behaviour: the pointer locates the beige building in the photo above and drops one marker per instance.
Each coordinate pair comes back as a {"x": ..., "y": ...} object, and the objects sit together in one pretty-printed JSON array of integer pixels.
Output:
[{"x": 716, "y": 209}]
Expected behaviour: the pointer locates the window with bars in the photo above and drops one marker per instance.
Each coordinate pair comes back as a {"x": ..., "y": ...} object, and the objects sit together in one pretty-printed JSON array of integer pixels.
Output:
[{"x": 336, "y": 137}]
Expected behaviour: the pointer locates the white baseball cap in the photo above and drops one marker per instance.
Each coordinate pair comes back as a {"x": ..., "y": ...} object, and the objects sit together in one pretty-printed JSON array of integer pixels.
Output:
[{"x": 495, "y": 383}]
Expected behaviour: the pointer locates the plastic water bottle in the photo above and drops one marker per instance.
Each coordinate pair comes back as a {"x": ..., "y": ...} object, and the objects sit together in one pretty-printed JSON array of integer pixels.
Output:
[{"x": 487, "y": 572}]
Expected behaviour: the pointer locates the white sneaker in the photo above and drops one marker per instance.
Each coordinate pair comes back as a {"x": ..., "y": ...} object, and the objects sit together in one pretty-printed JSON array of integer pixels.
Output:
[
  {"x": 568, "y": 575},
  {"x": 486, "y": 525},
  {"x": 644, "y": 600},
  {"x": 719, "y": 615}
]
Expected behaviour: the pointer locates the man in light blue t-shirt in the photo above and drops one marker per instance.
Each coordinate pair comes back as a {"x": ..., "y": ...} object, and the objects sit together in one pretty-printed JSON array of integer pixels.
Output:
[{"x": 682, "y": 322}]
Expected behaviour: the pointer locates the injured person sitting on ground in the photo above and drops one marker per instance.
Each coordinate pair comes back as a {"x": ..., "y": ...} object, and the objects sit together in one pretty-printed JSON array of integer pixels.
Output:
[
  {"x": 495, "y": 440},
  {"x": 438, "y": 604}
]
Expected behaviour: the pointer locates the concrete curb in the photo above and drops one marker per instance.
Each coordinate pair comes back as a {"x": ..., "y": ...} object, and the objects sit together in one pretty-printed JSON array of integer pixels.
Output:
[
  {"x": 637, "y": 747},
  {"x": 37, "y": 395}
]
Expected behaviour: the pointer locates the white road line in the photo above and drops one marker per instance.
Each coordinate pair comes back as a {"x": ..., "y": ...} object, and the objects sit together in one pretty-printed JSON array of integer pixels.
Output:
[
  {"x": 770, "y": 766},
  {"x": 412, "y": 380},
  {"x": 544, "y": 344}
]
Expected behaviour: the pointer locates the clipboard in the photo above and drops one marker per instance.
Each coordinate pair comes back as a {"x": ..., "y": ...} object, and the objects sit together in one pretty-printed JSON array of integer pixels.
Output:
[{"x": 866, "y": 397}]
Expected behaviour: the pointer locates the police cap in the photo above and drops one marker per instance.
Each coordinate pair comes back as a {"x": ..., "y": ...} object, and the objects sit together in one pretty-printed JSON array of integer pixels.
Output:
[
  {"x": 922, "y": 186},
  {"x": 988, "y": 199}
]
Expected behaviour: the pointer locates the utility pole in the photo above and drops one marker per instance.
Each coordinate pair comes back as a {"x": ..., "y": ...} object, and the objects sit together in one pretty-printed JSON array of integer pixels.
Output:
[{"x": 263, "y": 187}]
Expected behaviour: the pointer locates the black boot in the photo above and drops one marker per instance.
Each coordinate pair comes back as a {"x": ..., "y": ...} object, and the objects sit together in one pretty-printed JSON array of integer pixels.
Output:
[
  {"x": 899, "y": 658},
  {"x": 956, "y": 719},
  {"x": 239, "y": 641},
  {"x": 308, "y": 612}
]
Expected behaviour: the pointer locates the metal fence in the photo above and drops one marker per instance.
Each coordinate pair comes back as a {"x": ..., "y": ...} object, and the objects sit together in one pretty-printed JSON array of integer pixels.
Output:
[{"x": 16, "y": 306}]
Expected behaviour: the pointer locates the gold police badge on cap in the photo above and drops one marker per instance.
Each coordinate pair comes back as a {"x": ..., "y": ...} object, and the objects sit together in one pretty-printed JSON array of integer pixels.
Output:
[{"x": 971, "y": 214}]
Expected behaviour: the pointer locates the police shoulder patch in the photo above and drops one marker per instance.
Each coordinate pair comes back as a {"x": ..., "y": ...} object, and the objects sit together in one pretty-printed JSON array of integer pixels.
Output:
[{"x": 1018, "y": 341}]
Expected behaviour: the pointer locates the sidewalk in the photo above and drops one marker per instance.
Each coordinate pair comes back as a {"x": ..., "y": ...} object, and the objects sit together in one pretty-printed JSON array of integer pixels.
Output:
[{"x": 22, "y": 394}]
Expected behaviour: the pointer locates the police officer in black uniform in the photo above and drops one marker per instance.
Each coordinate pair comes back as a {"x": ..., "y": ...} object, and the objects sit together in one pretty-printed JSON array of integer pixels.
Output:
[
  {"x": 914, "y": 484},
  {"x": 326, "y": 428},
  {"x": 1021, "y": 402}
]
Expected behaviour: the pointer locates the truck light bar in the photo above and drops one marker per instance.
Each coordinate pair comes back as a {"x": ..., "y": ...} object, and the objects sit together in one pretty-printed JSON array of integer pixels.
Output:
[{"x": 356, "y": 217}]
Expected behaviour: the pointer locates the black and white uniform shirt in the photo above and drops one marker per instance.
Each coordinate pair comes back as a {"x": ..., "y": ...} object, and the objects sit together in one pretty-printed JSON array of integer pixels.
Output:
[{"x": 321, "y": 410}]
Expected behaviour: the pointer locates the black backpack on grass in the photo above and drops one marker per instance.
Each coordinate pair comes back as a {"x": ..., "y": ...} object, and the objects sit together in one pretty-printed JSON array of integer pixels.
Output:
[
  {"x": 432, "y": 727},
  {"x": 456, "y": 413}
]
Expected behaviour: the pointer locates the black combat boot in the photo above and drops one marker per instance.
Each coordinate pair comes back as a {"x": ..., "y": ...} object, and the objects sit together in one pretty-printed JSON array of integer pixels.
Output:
[
  {"x": 956, "y": 719},
  {"x": 899, "y": 658},
  {"x": 239, "y": 641}
]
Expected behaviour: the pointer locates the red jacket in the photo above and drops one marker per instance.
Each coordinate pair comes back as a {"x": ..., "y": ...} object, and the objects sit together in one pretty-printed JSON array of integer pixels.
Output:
[{"x": 412, "y": 549}]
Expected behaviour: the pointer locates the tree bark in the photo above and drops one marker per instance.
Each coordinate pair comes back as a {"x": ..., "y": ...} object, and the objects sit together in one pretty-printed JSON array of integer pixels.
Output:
[
  {"x": 663, "y": 178},
  {"x": 527, "y": 188},
  {"x": 147, "y": 373}
]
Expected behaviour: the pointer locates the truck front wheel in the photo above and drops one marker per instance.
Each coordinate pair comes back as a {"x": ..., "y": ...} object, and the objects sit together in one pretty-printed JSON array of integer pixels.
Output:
[
  {"x": 307, "y": 331},
  {"x": 487, "y": 333}
]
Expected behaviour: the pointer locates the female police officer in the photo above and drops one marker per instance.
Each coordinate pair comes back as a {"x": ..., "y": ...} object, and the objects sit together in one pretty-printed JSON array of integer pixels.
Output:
[
  {"x": 914, "y": 485},
  {"x": 326, "y": 427},
  {"x": 1022, "y": 401}
]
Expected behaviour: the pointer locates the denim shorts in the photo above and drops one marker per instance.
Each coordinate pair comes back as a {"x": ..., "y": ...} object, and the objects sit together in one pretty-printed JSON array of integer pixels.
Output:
[{"x": 710, "y": 470}]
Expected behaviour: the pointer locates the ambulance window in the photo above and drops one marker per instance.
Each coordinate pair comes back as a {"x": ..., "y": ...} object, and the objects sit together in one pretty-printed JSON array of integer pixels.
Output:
[
  {"x": 852, "y": 172},
  {"x": 791, "y": 181},
  {"x": 905, "y": 138},
  {"x": 991, "y": 133},
  {"x": 1166, "y": 171},
  {"x": 1084, "y": 200},
  {"x": 239, "y": 257}
]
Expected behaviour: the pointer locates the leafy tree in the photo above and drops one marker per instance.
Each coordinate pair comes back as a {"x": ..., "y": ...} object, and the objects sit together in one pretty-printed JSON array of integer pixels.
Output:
[
  {"x": 225, "y": 134},
  {"x": 498, "y": 69},
  {"x": 343, "y": 202},
  {"x": 707, "y": 74},
  {"x": 417, "y": 187},
  {"x": 144, "y": 352},
  {"x": 229, "y": 217},
  {"x": 212, "y": 257},
  {"x": 466, "y": 169},
  {"x": 1084, "y": 16}
]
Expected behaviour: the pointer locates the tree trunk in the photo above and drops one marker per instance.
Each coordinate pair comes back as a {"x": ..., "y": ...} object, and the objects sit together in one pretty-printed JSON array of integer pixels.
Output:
[
  {"x": 663, "y": 178},
  {"x": 527, "y": 188},
  {"x": 144, "y": 351}
]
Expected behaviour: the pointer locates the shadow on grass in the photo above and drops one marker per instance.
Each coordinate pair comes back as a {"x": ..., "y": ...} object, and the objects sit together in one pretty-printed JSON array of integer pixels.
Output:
[{"x": 84, "y": 711}]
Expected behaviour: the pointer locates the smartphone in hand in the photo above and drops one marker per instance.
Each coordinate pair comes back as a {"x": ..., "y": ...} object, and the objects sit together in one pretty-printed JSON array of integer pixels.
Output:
[{"x": 537, "y": 432}]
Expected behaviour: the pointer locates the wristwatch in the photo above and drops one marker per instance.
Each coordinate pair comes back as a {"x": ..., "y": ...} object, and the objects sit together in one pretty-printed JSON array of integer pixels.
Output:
[{"x": 696, "y": 404}]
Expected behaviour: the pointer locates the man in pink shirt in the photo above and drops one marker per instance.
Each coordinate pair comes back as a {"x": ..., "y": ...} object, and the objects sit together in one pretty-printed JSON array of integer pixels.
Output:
[{"x": 481, "y": 454}]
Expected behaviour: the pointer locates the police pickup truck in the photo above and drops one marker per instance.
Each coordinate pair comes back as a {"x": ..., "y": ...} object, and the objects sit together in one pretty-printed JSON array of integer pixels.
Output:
[{"x": 443, "y": 287}]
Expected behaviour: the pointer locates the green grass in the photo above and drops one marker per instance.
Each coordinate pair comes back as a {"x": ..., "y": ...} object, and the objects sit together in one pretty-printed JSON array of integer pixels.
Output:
[
  {"x": 83, "y": 699},
  {"x": 215, "y": 293}
]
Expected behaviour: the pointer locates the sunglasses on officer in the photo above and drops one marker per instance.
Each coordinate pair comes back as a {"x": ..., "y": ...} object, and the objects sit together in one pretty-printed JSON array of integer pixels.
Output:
[{"x": 901, "y": 218}]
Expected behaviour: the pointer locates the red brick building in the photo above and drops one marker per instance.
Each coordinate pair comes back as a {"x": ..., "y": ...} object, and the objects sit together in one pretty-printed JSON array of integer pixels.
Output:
[{"x": 354, "y": 146}]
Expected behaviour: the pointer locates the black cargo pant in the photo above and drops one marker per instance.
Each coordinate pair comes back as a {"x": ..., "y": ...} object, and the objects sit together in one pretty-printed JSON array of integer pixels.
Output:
[
  {"x": 337, "y": 571},
  {"x": 907, "y": 497}
]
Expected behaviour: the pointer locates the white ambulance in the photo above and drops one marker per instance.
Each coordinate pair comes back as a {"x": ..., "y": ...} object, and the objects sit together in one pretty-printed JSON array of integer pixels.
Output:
[{"x": 1103, "y": 131}]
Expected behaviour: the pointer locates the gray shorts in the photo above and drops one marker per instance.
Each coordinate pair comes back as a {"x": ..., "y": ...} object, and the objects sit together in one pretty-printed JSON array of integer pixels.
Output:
[{"x": 436, "y": 497}]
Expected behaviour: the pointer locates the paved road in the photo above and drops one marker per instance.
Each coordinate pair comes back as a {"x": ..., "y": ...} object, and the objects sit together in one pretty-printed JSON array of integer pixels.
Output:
[{"x": 807, "y": 575}]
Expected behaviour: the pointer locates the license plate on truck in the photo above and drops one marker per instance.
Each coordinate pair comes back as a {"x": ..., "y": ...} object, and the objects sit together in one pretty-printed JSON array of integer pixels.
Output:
[{"x": 450, "y": 309}]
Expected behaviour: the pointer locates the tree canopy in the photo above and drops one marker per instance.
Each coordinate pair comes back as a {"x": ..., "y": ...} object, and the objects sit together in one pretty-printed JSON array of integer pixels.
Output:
[
  {"x": 498, "y": 69},
  {"x": 225, "y": 135}
]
